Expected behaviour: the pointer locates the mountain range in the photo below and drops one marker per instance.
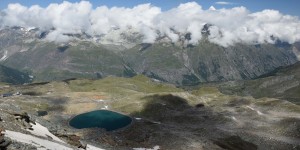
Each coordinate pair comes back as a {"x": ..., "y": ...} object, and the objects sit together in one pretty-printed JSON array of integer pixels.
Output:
[
  {"x": 178, "y": 63},
  {"x": 77, "y": 76},
  {"x": 178, "y": 95}
]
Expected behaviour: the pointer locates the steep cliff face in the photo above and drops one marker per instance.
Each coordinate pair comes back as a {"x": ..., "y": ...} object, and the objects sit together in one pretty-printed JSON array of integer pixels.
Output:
[{"x": 176, "y": 63}]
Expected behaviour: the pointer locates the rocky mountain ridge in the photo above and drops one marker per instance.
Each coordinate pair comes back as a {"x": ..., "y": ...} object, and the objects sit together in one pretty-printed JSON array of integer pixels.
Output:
[
  {"x": 178, "y": 63},
  {"x": 283, "y": 83}
]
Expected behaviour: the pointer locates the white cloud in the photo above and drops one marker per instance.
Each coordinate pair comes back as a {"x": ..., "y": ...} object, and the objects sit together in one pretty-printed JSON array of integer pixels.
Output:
[
  {"x": 212, "y": 8},
  {"x": 224, "y": 3},
  {"x": 57, "y": 36},
  {"x": 229, "y": 26}
]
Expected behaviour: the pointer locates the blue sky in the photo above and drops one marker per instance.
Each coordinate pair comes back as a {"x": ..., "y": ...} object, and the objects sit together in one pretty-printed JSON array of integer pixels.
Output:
[{"x": 291, "y": 7}]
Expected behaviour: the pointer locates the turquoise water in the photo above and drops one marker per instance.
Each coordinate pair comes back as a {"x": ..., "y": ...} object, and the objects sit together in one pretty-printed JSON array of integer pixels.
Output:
[{"x": 108, "y": 120}]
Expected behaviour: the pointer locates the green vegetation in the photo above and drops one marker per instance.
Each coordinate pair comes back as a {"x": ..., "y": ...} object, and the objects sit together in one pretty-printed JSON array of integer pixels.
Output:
[
  {"x": 116, "y": 85},
  {"x": 284, "y": 83},
  {"x": 51, "y": 74},
  {"x": 205, "y": 91},
  {"x": 12, "y": 76}
]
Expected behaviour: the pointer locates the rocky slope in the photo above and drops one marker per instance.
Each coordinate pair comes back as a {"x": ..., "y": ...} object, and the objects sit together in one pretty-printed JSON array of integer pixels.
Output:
[
  {"x": 12, "y": 76},
  {"x": 207, "y": 62},
  {"x": 176, "y": 63},
  {"x": 164, "y": 116},
  {"x": 282, "y": 83}
]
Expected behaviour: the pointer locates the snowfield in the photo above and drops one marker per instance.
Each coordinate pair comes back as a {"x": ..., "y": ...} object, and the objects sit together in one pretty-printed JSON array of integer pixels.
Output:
[
  {"x": 38, "y": 139},
  {"x": 41, "y": 144},
  {"x": 40, "y": 130}
]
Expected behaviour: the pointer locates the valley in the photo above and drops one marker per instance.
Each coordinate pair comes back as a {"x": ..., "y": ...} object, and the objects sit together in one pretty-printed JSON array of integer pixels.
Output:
[
  {"x": 163, "y": 115},
  {"x": 82, "y": 75}
]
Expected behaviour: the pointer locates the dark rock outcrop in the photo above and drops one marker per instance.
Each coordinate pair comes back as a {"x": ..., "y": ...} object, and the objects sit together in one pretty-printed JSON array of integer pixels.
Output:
[
  {"x": 24, "y": 120},
  {"x": 4, "y": 143}
]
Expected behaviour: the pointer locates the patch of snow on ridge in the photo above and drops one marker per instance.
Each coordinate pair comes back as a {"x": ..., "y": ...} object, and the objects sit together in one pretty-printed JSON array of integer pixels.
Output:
[
  {"x": 91, "y": 147},
  {"x": 41, "y": 144},
  {"x": 257, "y": 111},
  {"x": 105, "y": 107},
  {"x": 24, "y": 50},
  {"x": 4, "y": 57},
  {"x": 154, "y": 148},
  {"x": 40, "y": 130},
  {"x": 138, "y": 118},
  {"x": 233, "y": 118}
]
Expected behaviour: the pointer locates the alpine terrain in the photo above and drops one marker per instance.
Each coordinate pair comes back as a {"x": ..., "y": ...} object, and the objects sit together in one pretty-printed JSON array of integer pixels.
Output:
[{"x": 82, "y": 75}]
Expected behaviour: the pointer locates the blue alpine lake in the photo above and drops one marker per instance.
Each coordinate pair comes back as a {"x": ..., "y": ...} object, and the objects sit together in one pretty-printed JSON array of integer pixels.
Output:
[{"x": 106, "y": 119}]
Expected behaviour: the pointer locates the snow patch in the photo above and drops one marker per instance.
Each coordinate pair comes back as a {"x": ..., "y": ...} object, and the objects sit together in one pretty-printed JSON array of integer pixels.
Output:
[
  {"x": 233, "y": 118},
  {"x": 4, "y": 57},
  {"x": 41, "y": 144},
  {"x": 154, "y": 148},
  {"x": 138, "y": 118},
  {"x": 105, "y": 107},
  {"x": 42, "y": 131},
  {"x": 24, "y": 50},
  {"x": 156, "y": 80},
  {"x": 100, "y": 100},
  {"x": 257, "y": 111},
  {"x": 91, "y": 147}
]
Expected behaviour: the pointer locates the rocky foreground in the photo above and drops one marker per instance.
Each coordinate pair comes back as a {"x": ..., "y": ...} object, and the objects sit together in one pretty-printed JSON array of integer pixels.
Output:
[{"x": 165, "y": 117}]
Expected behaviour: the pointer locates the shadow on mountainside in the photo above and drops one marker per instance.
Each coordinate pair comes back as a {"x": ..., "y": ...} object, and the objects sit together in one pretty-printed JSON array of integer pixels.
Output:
[{"x": 170, "y": 122}]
